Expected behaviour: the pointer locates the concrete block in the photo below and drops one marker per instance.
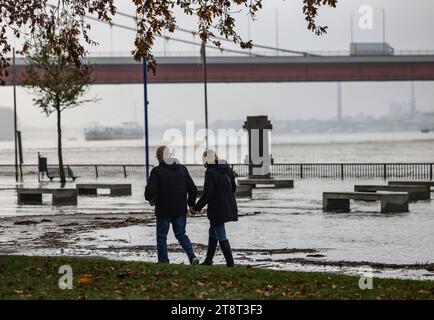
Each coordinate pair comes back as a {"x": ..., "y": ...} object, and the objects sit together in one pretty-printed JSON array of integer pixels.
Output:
[{"x": 65, "y": 197}]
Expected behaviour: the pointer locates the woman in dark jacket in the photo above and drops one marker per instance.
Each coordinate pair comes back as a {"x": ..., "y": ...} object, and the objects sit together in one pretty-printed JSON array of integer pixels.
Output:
[{"x": 219, "y": 194}]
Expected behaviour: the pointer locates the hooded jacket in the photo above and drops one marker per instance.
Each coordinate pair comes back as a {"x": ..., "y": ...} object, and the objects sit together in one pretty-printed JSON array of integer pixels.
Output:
[
  {"x": 218, "y": 193},
  {"x": 171, "y": 187}
]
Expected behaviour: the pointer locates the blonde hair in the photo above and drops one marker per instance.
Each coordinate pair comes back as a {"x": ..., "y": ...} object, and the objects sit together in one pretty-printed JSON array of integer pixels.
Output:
[{"x": 210, "y": 157}]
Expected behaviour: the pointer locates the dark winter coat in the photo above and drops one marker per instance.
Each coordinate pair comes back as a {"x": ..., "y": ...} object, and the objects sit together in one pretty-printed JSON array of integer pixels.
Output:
[
  {"x": 171, "y": 188},
  {"x": 219, "y": 194}
]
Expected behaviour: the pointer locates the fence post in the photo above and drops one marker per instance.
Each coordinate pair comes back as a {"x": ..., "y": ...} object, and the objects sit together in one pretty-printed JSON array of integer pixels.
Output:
[
  {"x": 342, "y": 171},
  {"x": 96, "y": 171},
  {"x": 301, "y": 171},
  {"x": 385, "y": 171},
  {"x": 125, "y": 172},
  {"x": 430, "y": 171}
]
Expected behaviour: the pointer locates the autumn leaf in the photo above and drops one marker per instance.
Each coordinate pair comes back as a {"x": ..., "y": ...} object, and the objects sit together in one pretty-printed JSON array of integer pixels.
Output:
[{"x": 85, "y": 279}]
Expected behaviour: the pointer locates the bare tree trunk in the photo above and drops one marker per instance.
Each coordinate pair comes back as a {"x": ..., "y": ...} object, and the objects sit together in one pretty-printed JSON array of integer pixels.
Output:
[{"x": 59, "y": 145}]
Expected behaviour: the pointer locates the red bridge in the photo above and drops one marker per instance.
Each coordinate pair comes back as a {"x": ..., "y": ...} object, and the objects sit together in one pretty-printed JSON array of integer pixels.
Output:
[{"x": 124, "y": 70}]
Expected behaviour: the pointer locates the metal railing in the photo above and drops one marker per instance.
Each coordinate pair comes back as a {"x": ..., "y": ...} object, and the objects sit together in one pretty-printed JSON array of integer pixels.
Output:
[
  {"x": 267, "y": 53},
  {"x": 413, "y": 171},
  {"x": 341, "y": 171}
]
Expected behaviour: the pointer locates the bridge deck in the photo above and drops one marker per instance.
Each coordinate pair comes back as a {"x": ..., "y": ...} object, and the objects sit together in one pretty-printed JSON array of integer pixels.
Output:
[{"x": 118, "y": 70}]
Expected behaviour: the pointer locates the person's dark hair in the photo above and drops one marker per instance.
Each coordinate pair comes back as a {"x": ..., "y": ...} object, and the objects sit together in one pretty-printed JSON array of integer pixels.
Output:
[{"x": 162, "y": 153}]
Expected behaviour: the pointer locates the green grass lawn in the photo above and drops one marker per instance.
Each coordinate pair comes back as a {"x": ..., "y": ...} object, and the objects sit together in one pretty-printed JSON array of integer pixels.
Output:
[{"x": 37, "y": 278}]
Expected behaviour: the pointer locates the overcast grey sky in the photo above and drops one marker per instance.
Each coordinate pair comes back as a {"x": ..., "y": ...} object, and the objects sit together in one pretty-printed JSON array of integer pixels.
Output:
[{"x": 409, "y": 26}]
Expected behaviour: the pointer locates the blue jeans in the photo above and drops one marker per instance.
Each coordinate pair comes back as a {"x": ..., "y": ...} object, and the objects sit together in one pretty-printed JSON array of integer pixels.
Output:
[
  {"x": 178, "y": 224},
  {"x": 218, "y": 232}
]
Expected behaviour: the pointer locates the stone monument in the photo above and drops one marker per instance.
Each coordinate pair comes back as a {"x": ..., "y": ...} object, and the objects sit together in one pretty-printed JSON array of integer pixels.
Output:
[{"x": 259, "y": 157}]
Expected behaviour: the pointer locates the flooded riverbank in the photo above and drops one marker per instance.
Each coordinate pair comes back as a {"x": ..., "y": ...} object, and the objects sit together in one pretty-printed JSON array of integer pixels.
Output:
[{"x": 279, "y": 229}]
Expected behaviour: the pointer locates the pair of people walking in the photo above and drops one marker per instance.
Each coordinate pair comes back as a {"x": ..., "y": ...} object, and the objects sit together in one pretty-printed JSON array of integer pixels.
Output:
[{"x": 171, "y": 190}]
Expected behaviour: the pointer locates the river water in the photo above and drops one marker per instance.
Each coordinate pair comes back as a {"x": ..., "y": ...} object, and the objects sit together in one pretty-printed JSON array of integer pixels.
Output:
[{"x": 366, "y": 147}]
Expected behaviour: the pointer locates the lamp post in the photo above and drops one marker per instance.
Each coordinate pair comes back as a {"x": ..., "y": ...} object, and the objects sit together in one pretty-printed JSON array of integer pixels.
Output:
[
  {"x": 145, "y": 88},
  {"x": 205, "y": 85},
  {"x": 14, "y": 76}
]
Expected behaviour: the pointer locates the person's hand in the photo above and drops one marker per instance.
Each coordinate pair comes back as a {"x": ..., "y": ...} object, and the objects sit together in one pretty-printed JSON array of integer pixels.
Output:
[
  {"x": 190, "y": 212},
  {"x": 193, "y": 211}
]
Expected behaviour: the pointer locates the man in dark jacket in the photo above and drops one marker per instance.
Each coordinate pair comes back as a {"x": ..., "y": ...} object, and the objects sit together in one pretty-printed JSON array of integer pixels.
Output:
[
  {"x": 219, "y": 194},
  {"x": 168, "y": 186}
]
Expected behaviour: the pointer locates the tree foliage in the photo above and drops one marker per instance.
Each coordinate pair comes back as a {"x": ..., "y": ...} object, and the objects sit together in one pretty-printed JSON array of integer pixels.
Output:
[
  {"x": 55, "y": 80},
  {"x": 64, "y": 24}
]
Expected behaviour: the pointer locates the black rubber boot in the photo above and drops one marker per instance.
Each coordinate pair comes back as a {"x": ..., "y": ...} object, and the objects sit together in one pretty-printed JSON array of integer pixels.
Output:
[
  {"x": 212, "y": 246},
  {"x": 227, "y": 252}
]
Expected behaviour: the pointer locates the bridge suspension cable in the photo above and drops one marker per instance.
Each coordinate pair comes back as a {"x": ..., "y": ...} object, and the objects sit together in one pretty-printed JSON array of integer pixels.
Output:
[
  {"x": 227, "y": 40},
  {"x": 117, "y": 25},
  {"x": 166, "y": 37}
]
